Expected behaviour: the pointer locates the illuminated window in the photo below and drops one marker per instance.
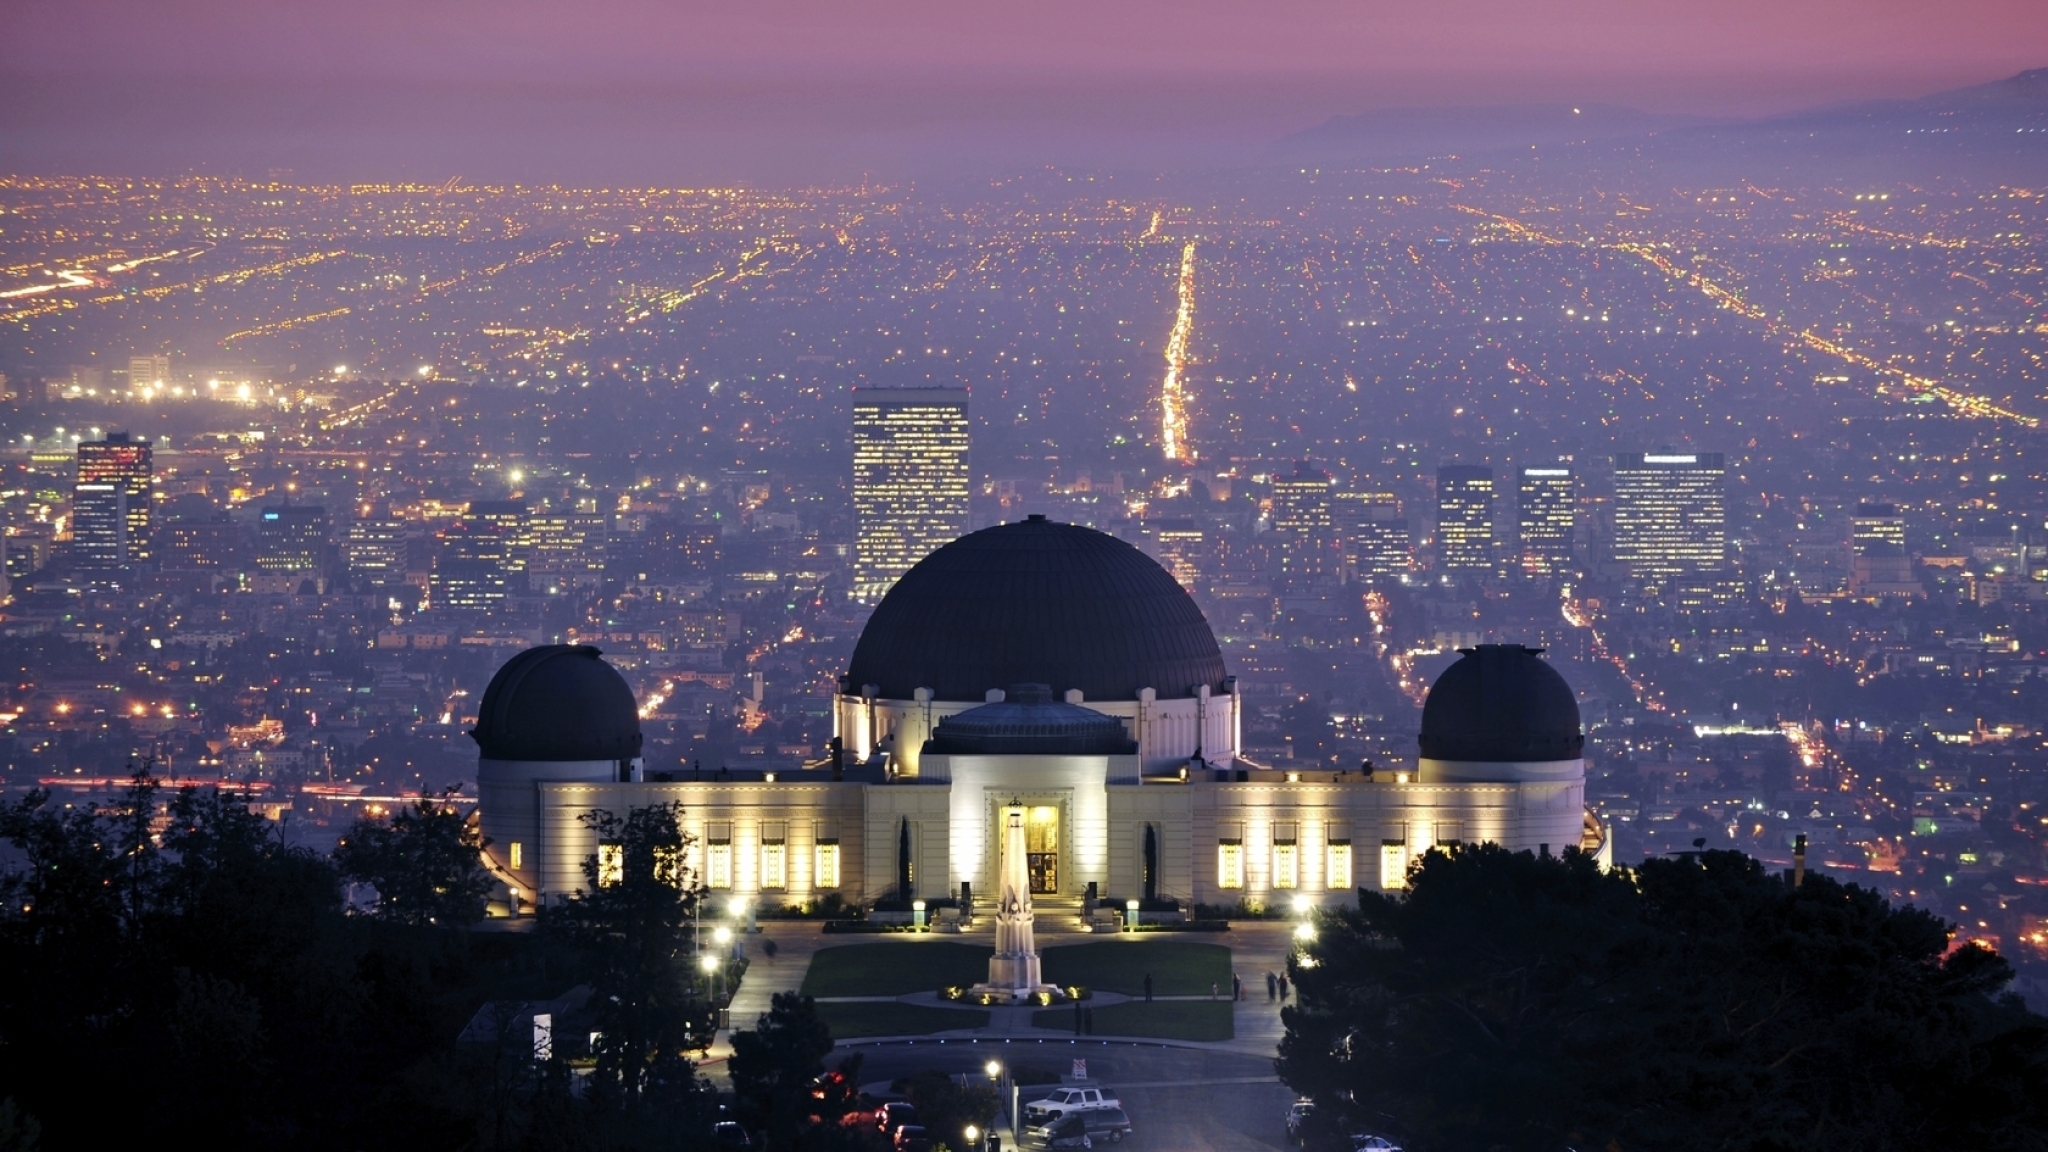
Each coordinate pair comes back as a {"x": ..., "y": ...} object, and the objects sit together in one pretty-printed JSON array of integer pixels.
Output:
[
  {"x": 1230, "y": 864},
  {"x": 517, "y": 853},
  {"x": 611, "y": 863},
  {"x": 774, "y": 854},
  {"x": 1393, "y": 863},
  {"x": 718, "y": 856},
  {"x": 668, "y": 865},
  {"x": 828, "y": 865},
  {"x": 1286, "y": 869},
  {"x": 1337, "y": 864},
  {"x": 1286, "y": 858}
]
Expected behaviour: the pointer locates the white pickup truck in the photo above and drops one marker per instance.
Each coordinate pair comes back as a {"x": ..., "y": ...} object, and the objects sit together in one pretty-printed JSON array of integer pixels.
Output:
[{"x": 1069, "y": 1099}]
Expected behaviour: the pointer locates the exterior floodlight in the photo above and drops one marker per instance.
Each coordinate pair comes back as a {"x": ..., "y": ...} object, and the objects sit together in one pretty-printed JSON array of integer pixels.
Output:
[{"x": 1302, "y": 905}]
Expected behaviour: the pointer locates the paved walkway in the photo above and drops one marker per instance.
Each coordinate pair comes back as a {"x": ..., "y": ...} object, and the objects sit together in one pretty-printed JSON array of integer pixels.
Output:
[{"x": 1256, "y": 947}]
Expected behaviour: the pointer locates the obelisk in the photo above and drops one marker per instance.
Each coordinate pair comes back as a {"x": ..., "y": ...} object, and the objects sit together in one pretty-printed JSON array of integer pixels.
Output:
[{"x": 1013, "y": 970}]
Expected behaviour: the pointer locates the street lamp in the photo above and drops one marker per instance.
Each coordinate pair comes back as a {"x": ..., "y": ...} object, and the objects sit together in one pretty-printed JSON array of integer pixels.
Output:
[
  {"x": 712, "y": 966},
  {"x": 994, "y": 1068}
]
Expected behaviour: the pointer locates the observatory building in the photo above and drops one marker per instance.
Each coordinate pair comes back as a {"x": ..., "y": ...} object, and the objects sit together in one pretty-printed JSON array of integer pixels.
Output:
[{"x": 1057, "y": 669}]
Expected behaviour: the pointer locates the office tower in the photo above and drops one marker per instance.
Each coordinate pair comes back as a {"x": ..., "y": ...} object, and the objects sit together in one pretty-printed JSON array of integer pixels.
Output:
[
  {"x": 1383, "y": 550},
  {"x": 569, "y": 550},
  {"x": 209, "y": 542},
  {"x": 1464, "y": 518},
  {"x": 1670, "y": 514},
  {"x": 508, "y": 519},
  {"x": 910, "y": 480},
  {"x": 375, "y": 548},
  {"x": 1183, "y": 550},
  {"x": 124, "y": 465},
  {"x": 1877, "y": 524},
  {"x": 148, "y": 372},
  {"x": 1302, "y": 521},
  {"x": 1546, "y": 506},
  {"x": 471, "y": 572},
  {"x": 99, "y": 534},
  {"x": 291, "y": 538}
]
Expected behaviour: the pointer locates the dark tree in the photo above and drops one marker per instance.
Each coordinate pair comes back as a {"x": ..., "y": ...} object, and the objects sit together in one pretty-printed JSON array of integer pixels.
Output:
[
  {"x": 946, "y": 1109},
  {"x": 1151, "y": 881},
  {"x": 1510, "y": 1001},
  {"x": 777, "y": 1075},
  {"x": 425, "y": 863},
  {"x": 903, "y": 862},
  {"x": 634, "y": 924}
]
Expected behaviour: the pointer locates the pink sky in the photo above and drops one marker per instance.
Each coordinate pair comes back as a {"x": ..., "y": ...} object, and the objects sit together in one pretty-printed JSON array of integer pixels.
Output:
[
  {"x": 776, "y": 89},
  {"x": 1677, "y": 55}
]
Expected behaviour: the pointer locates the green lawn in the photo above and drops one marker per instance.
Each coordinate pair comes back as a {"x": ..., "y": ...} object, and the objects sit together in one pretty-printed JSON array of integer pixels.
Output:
[
  {"x": 894, "y": 969},
  {"x": 1178, "y": 968},
  {"x": 849, "y": 1019},
  {"x": 1161, "y": 1019}
]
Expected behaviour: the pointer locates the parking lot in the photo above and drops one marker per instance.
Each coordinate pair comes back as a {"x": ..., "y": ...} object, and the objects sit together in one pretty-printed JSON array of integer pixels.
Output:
[{"x": 1179, "y": 1099}]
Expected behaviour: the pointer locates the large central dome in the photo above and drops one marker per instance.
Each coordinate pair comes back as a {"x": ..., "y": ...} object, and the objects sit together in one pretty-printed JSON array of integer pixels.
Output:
[{"x": 1036, "y": 602}]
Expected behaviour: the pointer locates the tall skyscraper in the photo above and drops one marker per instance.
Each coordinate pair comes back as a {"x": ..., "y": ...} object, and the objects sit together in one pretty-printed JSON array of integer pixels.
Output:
[
  {"x": 1670, "y": 514},
  {"x": 1546, "y": 507},
  {"x": 1464, "y": 518},
  {"x": 910, "y": 480},
  {"x": 509, "y": 520},
  {"x": 375, "y": 547},
  {"x": 110, "y": 506},
  {"x": 1303, "y": 520}
]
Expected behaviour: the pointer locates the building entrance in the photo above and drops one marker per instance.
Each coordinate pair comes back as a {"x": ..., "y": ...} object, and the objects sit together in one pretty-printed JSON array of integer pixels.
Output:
[{"x": 1042, "y": 848}]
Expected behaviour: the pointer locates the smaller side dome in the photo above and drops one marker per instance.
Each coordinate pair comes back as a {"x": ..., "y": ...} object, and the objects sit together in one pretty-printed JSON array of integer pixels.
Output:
[
  {"x": 558, "y": 702},
  {"x": 1029, "y": 721},
  {"x": 1500, "y": 704}
]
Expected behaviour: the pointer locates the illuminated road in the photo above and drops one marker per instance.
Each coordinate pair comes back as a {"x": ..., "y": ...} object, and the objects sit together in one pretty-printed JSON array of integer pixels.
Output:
[
  {"x": 1961, "y": 402},
  {"x": 1173, "y": 415}
]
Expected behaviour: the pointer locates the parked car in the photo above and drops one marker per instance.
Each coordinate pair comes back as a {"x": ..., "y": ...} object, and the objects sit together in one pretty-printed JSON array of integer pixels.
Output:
[
  {"x": 912, "y": 1138},
  {"x": 1071, "y": 1099},
  {"x": 1081, "y": 1129},
  {"x": 1367, "y": 1142},
  {"x": 1297, "y": 1119},
  {"x": 729, "y": 1134},
  {"x": 893, "y": 1115}
]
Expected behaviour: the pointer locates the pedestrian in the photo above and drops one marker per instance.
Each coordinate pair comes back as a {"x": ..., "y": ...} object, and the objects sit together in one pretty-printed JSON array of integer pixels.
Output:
[
  {"x": 768, "y": 949},
  {"x": 1236, "y": 986},
  {"x": 1148, "y": 987},
  {"x": 1212, "y": 989},
  {"x": 1272, "y": 987},
  {"x": 1089, "y": 1017},
  {"x": 1283, "y": 989},
  {"x": 1079, "y": 1019}
]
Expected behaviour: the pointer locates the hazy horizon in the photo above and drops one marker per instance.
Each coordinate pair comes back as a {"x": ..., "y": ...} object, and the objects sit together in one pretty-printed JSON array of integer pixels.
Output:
[{"x": 800, "y": 90}]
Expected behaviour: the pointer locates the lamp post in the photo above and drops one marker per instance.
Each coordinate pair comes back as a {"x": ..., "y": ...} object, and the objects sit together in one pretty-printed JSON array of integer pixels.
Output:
[
  {"x": 995, "y": 1071},
  {"x": 712, "y": 966},
  {"x": 917, "y": 915},
  {"x": 1130, "y": 915},
  {"x": 973, "y": 1135}
]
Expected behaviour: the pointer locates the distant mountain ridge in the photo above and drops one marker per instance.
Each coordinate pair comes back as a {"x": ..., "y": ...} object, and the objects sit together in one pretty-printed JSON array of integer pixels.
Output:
[{"x": 1989, "y": 111}]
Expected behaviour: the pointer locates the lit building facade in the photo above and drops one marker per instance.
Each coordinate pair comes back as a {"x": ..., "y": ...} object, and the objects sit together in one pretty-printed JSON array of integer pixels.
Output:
[
  {"x": 112, "y": 505},
  {"x": 1546, "y": 515},
  {"x": 1464, "y": 518},
  {"x": 1128, "y": 734},
  {"x": 291, "y": 538},
  {"x": 1303, "y": 519},
  {"x": 1670, "y": 514},
  {"x": 910, "y": 480}
]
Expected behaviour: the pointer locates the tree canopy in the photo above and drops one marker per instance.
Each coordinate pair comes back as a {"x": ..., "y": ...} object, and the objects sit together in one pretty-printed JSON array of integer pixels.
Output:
[
  {"x": 1509, "y": 1001},
  {"x": 425, "y": 863}
]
